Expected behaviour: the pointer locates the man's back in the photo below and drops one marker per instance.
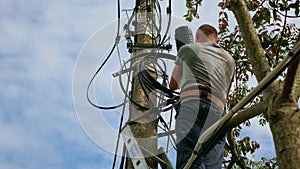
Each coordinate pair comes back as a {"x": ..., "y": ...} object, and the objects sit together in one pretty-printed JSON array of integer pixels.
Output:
[{"x": 206, "y": 65}]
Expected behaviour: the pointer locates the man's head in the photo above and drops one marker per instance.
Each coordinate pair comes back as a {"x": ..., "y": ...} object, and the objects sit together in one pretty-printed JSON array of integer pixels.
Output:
[{"x": 206, "y": 34}]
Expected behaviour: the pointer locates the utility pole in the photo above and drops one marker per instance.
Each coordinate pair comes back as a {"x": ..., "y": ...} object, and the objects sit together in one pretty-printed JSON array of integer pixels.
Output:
[{"x": 146, "y": 127}]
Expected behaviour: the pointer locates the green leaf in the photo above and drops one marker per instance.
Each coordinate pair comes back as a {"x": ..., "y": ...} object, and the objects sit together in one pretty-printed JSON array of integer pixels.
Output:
[
  {"x": 272, "y": 4},
  {"x": 297, "y": 11},
  {"x": 285, "y": 43},
  {"x": 293, "y": 5},
  {"x": 221, "y": 4}
]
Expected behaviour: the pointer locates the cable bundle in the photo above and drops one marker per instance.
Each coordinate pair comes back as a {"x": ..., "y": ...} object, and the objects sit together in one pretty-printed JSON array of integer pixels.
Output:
[{"x": 150, "y": 84}]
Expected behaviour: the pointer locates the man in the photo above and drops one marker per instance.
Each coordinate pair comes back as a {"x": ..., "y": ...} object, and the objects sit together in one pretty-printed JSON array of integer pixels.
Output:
[{"x": 203, "y": 71}]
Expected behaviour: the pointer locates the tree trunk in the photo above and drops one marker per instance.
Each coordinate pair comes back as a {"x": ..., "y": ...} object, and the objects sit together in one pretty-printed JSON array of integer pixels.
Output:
[{"x": 284, "y": 121}]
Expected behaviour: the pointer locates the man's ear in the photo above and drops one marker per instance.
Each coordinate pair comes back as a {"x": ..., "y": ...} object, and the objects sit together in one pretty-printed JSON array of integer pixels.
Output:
[{"x": 213, "y": 39}]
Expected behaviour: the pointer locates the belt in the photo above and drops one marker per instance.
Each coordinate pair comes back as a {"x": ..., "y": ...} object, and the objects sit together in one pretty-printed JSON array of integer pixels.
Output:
[{"x": 202, "y": 94}]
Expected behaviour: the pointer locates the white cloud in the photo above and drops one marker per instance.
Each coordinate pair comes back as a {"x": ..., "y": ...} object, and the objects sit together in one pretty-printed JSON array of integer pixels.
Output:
[{"x": 39, "y": 44}]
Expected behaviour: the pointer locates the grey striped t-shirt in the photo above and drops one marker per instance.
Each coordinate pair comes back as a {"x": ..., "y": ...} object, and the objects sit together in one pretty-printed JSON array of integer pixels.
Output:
[{"x": 206, "y": 65}]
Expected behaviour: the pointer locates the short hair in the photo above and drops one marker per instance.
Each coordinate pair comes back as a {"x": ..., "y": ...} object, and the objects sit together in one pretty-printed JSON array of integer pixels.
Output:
[{"x": 208, "y": 30}]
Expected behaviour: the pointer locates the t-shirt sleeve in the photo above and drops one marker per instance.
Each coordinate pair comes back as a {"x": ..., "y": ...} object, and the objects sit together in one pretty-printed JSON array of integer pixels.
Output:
[{"x": 181, "y": 55}]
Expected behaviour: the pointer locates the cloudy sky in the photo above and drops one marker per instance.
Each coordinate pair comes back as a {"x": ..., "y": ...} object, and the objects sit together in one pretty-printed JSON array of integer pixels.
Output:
[{"x": 46, "y": 47}]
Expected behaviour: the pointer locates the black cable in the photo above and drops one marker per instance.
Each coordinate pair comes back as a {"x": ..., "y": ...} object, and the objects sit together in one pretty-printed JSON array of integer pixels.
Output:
[
  {"x": 158, "y": 10},
  {"x": 146, "y": 77},
  {"x": 143, "y": 76},
  {"x": 119, "y": 16},
  {"x": 166, "y": 126},
  {"x": 153, "y": 82},
  {"x": 117, "y": 40},
  {"x": 124, "y": 105},
  {"x": 153, "y": 85},
  {"x": 127, "y": 26},
  {"x": 121, "y": 83},
  {"x": 170, "y": 125},
  {"x": 169, "y": 22},
  {"x": 144, "y": 89},
  {"x": 158, "y": 93},
  {"x": 121, "y": 120},
  {"x": 119, "y": 133},
  {"x": 146, "y": 82},
  {"x": 123, "y": 157},
  {"x": 93, "y": 78}
]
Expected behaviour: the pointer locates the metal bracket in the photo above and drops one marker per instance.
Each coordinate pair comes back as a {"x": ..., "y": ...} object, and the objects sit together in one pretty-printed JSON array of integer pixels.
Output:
[{"x": 123, "y": 71}]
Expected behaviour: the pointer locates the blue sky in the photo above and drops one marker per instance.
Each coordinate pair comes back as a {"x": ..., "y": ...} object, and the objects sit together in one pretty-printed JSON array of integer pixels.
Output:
[{"x": 40, "y": 44}]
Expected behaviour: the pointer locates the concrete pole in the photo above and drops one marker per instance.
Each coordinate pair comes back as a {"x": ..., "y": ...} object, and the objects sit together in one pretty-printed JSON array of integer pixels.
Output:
[{"x": 146, "y": 127}]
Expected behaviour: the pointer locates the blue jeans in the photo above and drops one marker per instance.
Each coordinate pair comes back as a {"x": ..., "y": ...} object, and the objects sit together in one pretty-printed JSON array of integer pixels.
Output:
[{"x": 194, "y": 117}]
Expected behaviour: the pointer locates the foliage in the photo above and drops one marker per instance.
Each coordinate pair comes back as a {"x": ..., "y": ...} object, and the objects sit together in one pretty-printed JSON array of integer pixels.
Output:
[
  {"x": 192, "y": 9},
  {"x": 277, "y": 36},
  {"x": 243, "y": 148}
]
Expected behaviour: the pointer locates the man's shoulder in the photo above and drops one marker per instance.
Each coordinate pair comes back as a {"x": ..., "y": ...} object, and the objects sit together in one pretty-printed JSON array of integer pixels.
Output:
[{"x": 187, "y": 48}]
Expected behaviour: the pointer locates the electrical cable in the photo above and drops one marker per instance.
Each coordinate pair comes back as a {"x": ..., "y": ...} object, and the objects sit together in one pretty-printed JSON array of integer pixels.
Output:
[
  {"x": 153, "y": 85},
  {"x": 146, "y": 88},
  {"x": 158, "y": 28},
  {"x": 169, "y": 23},
  {"x": 123, "y": 110},
  {"x": 165, "y": 83},
  {"x": 147, "y": 76},
  {"x": 170, "y": 125},
  {"x": 158, "y": 11},
  {"x": 143, "y": 73},
  {"x": 150, "y": 84},
  {"x": 162, "y": 120},
  {"x": 117, "y": 40},
  {"x": 158, "y": 93},
  {"x": 121, "y": 120},
  {"x": 93, "y": 78},
  {"x": 145, "y": 82},
  {"x": 127, "y": 26},
  {"x": 123, "y": 157},
  {"x": 118, "y": 137},
  {"x": 121, "y": 82},
  {"x": 150, "y": 109}
]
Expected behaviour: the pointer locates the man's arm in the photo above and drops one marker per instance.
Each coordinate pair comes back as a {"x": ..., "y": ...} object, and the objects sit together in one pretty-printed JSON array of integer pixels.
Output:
[{"x": 176, "y": 77}]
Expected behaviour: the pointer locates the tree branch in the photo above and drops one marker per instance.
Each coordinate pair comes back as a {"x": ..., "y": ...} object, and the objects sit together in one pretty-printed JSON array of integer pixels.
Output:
[
  {"x": 290, "y": 79},
  {"x": 233, "y": 148},
  {"x": 254, "y": 49},
  {"x": 296, "y": 87},
  {"x": 296, "y": 82},
  {"x": 242, "y": 116}
]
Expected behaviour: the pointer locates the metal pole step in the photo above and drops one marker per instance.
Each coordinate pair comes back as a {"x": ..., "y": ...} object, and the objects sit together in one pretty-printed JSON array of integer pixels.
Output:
[{"x": 134, "y": 151}]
